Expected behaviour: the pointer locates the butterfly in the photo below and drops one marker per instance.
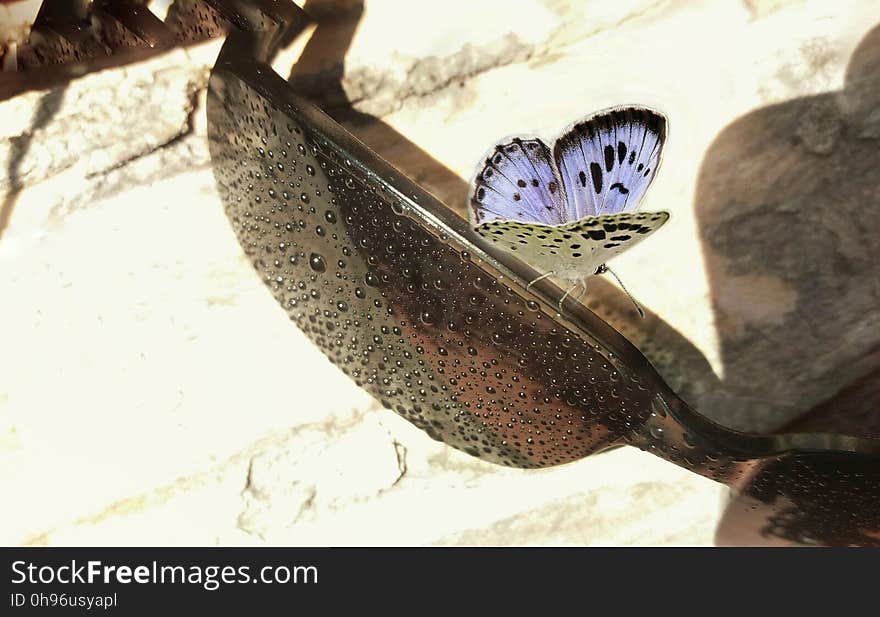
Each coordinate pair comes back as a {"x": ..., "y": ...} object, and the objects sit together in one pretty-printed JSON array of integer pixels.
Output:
[{"x": 567, "y": 210}]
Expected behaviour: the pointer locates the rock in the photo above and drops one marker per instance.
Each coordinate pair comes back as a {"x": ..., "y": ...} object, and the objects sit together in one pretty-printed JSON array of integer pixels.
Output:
[
  {"x": 77, "y": 125},
  {"x": 316, "y": 470}
]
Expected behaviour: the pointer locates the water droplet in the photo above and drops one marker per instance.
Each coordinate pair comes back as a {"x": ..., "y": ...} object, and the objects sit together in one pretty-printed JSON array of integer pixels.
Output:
[
  {"x": 371, "y": 279},
  {"x": 310, "y": 170},
  {"x": 656, "y": 432},
  {"x": 360, "y": 293},
  {"x": 532, "y": 305},
  {"x": 316, "y": 263},
  {"x": 330, "y": 216}
]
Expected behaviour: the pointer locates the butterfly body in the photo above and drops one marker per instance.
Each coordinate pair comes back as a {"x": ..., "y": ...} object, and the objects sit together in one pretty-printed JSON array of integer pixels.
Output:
[{"x": 567, "y": 210}]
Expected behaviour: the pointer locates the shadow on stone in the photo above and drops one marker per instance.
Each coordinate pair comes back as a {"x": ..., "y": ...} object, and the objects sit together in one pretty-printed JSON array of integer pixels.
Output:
[
  {"x": 788, "y": 207},
  {"x": 48, "y": 106}
]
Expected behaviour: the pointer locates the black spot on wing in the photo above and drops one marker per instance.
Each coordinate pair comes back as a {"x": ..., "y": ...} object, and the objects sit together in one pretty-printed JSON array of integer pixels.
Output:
[
  {"x": 609, "y": 157},
  {"x": 596, "y": 172},
  {"x": 617, "y": 185},
  {"x": 621, "y": 151},
  {"x": 583, "y": 178}
]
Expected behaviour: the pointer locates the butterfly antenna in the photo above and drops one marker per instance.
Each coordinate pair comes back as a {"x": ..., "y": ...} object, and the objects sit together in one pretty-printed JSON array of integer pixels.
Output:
[{"x": 623, "y": 287}]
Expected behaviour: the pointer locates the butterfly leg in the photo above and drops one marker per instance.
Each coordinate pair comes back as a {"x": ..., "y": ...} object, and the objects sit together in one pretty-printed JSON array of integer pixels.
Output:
[
  {"x": 584, "y": 292},
  {"x": 542, "y": 277},
  {"x": 565, "y": 295}
]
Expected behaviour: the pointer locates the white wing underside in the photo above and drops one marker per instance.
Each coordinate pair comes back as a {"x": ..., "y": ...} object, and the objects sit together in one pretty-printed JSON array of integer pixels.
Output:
[{"x": 572, "y": 251}]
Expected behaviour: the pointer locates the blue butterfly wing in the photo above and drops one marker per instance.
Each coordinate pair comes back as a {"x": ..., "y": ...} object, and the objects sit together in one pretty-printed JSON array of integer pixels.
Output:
[
  {"x": 607, "y": 161},
  {"x": 518, "y": 181}
]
